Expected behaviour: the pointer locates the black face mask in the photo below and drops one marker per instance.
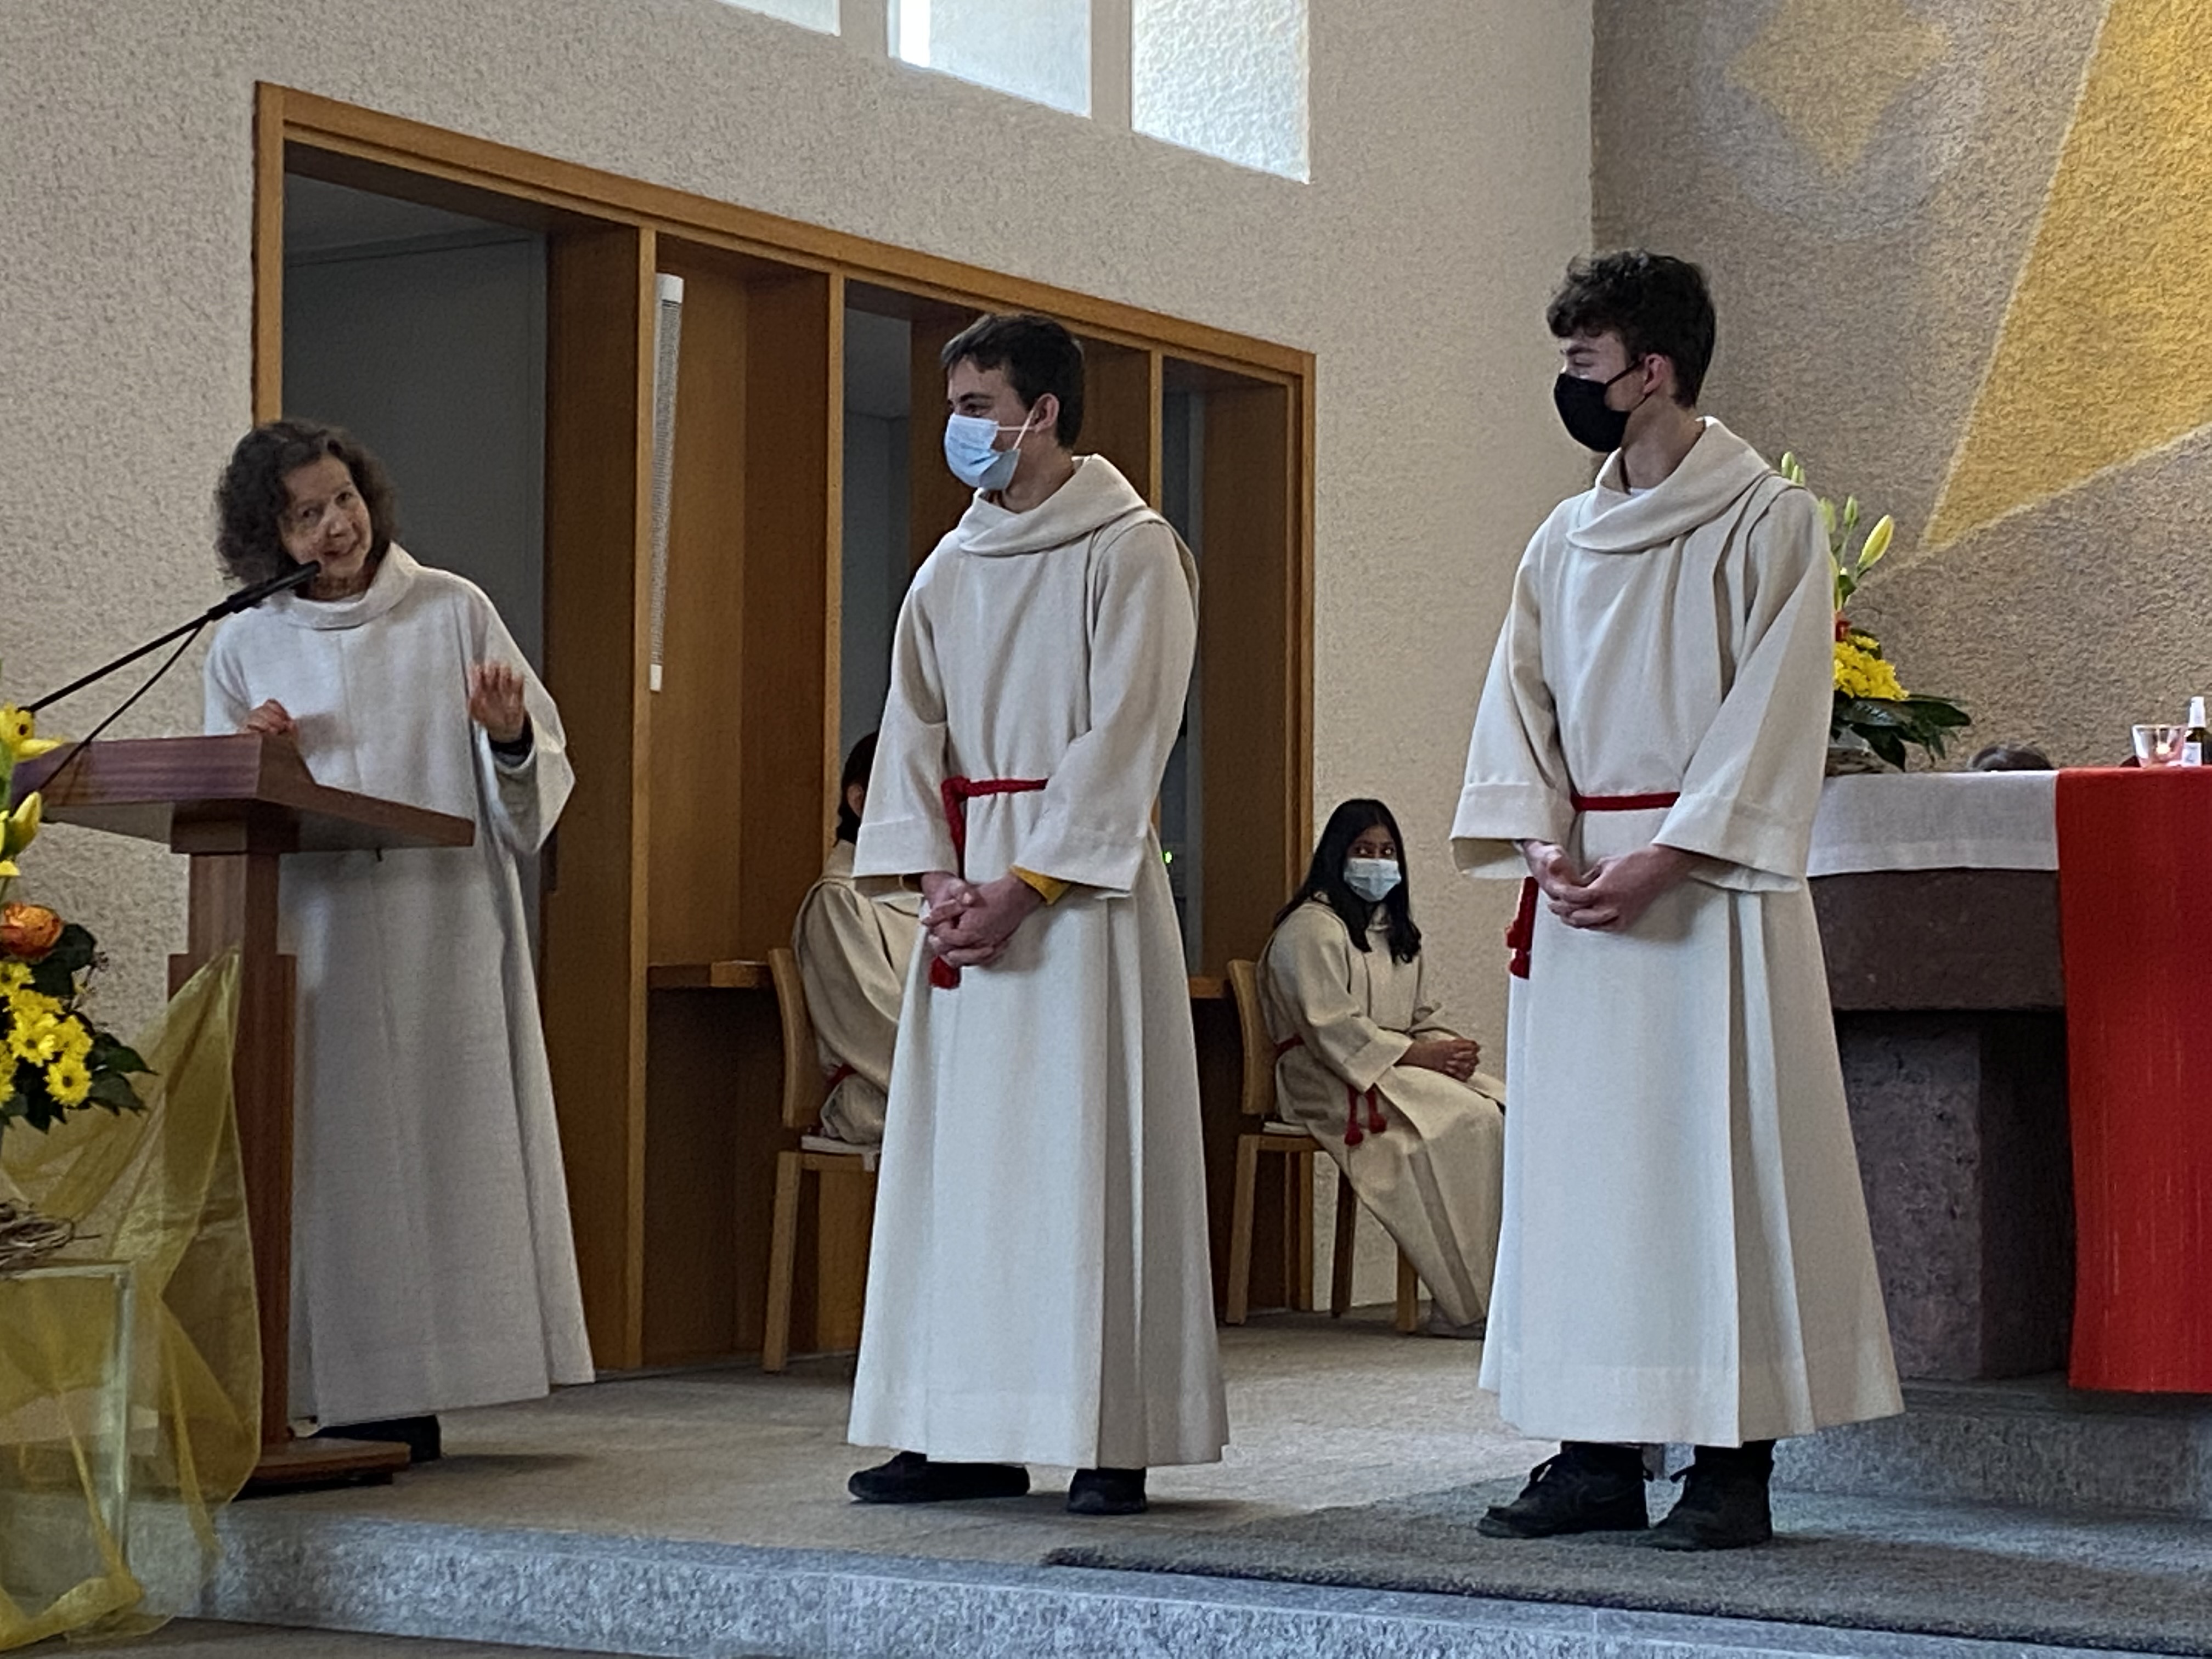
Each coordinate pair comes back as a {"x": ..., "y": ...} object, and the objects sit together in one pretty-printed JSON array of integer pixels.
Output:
[{"x": 1584, "y": 409}]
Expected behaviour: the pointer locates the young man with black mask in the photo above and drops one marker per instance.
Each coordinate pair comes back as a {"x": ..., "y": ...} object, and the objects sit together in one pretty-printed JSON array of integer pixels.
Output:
[{"x": 1685, "y": 1256}]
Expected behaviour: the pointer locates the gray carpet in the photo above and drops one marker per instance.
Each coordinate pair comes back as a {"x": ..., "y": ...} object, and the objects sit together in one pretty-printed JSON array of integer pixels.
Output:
[{"x": 2139, "y": 1585}]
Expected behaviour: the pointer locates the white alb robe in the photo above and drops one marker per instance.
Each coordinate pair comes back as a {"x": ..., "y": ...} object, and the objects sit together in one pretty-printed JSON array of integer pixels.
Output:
[
  {"x": 1039, "y": 1287},
  {"x": 1685, "y": 1255},
  {"x": 433, "y": 1266},
  {"x": 854, "y": 957},
  {"x": 1431, "y": 1177}
]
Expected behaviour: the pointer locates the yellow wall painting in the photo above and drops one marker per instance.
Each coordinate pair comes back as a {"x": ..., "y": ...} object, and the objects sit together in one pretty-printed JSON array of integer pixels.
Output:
[{"x": 2105, "y": 353}]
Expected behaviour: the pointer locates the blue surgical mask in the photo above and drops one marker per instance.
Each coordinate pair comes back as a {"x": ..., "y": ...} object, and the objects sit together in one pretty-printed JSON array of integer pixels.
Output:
[
  {"x": 970, "y": 451},
  {"x": 1373, "y": 879}
]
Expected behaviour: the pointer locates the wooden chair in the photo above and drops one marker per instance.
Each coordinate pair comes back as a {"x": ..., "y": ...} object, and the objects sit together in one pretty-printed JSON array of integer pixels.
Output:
[
  {"x": 1274, "y": 1138},
  {"x": 804, "y": 1090}
]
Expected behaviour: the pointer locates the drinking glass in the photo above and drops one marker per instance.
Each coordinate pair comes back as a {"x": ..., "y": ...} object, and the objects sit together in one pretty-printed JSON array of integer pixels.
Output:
[{"x": 2160, "y": 745}]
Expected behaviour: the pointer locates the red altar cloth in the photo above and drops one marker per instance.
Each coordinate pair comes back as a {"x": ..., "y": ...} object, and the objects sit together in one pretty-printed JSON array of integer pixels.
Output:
[{"x": 2135, "y": 850}]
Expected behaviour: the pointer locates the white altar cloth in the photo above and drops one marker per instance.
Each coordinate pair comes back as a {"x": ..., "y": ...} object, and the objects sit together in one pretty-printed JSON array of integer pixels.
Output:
[{"x": 1936, "y": 821}]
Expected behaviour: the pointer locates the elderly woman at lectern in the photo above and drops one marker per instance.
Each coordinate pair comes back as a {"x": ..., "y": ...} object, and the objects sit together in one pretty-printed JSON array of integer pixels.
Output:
[{"x": 433, "y": 1266}]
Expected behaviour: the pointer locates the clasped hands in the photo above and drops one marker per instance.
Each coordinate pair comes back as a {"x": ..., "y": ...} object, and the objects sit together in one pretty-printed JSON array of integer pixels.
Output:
[
  {"x": 1455, "y": 1056},
  {"x": 1614, "y": 893},
  {"x": 495, "y": 703},
  {"x": 968, "y": 924}
]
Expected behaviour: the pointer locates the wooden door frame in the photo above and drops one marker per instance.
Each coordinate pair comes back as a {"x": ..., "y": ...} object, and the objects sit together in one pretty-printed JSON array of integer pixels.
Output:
[{"x": 348, "y": 144}]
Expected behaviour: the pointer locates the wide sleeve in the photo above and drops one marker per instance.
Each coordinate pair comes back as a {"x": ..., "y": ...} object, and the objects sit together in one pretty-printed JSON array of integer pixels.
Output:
[
  {"x": 1753, "y": 787},
  {"x": 1517, "y": 786},
  {"x": 224, "y": 704},
  {"x": 905, "y": 833},
  {"x": 1308, "y": 963},
  {"x": 854, "y": 988},
  {"x": 1095, "y": 827},
  {"x": 523, "y": 794},
  {"x": 1429, "y": 1019}
]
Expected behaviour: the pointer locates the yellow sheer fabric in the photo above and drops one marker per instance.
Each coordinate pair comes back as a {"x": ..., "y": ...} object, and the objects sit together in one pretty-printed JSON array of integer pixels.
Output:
[{"x": 161, "y": 1190}]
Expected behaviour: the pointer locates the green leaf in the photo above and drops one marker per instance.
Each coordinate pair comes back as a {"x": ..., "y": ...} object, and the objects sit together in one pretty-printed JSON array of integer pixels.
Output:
[
  {"x": 109, "y": 1056},
  {"x": 75, "y": 949},
  {"x": 1889, "y": 745},
  {"x": 53, "y": 978},
  {"x": 113, "y": 1090}
]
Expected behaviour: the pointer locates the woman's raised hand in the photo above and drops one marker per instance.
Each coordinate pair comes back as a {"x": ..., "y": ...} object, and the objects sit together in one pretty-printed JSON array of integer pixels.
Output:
[
  {"x": 495, "y": 700},
  {"x": 271, "y": 719}
]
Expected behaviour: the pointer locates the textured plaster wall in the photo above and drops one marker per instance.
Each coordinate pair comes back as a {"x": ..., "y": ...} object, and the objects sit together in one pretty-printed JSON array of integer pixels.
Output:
[
  {"x": 1957, "y": 250},
  {"x": 1450, "y": 182}
]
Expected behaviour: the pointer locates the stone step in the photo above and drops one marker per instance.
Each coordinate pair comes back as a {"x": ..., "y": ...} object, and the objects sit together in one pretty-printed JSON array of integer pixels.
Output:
[
  {"x": 2030, "y": 1443},
  {"x": 630, "y": 1595}
]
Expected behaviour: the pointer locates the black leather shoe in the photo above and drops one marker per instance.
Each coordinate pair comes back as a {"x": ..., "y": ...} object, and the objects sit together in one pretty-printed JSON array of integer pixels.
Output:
[
  {"x": 911, "y": 1478},
  {"x": 1107, "y": 1492},
  {"x": 1723, "y": 1501},
  {"x": 420, "y": 1435},
  {"x": 1586, "y": 1488}
]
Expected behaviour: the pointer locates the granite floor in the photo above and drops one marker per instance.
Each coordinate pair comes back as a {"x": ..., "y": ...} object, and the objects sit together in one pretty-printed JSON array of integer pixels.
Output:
[
  {"x": 199, "y": 1639},
  {"x": 1321, "y": 1413}
]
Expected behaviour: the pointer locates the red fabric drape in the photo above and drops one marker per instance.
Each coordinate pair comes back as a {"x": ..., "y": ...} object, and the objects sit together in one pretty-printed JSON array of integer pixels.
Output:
[{"x": 2136, "y": 920}]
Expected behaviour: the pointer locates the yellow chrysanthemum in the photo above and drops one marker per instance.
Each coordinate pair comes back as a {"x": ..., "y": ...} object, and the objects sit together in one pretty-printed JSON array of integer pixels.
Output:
[
  {"x": 14, "y": 976},
  {"x": 37, "y": 1040},
  {"x": 1860, "y": 673},
  {"x": 67, "y": 1081},
  {"x": 74, "y": 1039}
]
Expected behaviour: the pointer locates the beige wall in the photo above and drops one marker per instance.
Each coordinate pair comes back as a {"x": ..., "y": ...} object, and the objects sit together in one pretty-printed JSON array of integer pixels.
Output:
[
  {"x": 1450, "y": 153},
  {"x": 1957, "y": 246}
]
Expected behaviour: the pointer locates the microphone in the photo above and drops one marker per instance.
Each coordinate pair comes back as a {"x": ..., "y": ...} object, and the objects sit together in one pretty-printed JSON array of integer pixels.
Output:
[{"x": 245, "y": 599}]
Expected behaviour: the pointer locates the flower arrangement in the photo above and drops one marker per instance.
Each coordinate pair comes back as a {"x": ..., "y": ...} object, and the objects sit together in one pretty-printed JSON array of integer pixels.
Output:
[
  {"x": 53, "y": 1059},
  {"x": 1875, "y": 717}
]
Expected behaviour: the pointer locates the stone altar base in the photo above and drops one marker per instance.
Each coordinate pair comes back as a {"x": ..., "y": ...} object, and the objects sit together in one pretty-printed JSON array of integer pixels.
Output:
[{"x": 1960, "y": 1121}]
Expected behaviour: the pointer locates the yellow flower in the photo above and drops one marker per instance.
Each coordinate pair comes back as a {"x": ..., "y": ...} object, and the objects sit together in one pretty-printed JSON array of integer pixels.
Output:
[
  {"x": 37, "y": 1038},
  {"x": 75, "y": 1039},
  {"x": 19, "y": 828},
  {"x": 19, "y": 731},
  {"x": 67, "y": 1081},
  {"x": 1860, "y": 673},
  {"x": 14, "y": 976}
]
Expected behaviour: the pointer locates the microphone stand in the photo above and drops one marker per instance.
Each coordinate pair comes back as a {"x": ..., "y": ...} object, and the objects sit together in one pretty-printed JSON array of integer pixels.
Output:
[{"x": 245, "y": 599}]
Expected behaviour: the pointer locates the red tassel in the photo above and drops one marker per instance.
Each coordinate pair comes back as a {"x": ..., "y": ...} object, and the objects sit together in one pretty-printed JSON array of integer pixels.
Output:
[
  {"x": 1375, "y": 1122},
  {"x": 1522, "y": 933},
  {"x": 1352, "y": 1134}
]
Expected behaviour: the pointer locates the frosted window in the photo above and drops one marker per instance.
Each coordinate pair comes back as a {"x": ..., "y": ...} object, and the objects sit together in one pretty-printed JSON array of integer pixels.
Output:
[
  {"x": 1225, "y": 76},
  {"x": 810, "y": 14},
  {"x": 1035, "y": 49}
]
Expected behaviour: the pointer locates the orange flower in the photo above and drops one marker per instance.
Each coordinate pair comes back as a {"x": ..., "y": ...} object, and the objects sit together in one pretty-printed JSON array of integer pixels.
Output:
[{"x": 28, "y": 932}]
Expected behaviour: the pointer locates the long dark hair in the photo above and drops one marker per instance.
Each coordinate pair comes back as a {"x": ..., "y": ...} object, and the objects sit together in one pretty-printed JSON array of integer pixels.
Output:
[
  {"x": 1325, "y": 880},
  {"x": 251, "y": 498},
  {"x": 858, "y": 765}
]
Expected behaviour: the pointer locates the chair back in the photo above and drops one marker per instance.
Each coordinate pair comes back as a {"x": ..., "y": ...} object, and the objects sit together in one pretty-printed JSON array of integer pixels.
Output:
[
  {"x": 804, "y": 1088},
  {"x": 1258, "y": 1098}
]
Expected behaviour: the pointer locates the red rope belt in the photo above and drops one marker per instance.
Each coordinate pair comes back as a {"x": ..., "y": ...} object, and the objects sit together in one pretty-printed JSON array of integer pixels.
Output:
[
  {"x": 955, "y": 793},
  {"x": 1353, "y": 1097},
  {"x": 1522, "y": 933},
  {"x": 831, "y": 1079}
]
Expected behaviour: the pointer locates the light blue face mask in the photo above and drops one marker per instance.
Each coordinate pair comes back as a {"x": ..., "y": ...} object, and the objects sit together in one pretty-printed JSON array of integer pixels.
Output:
[
  {"x": 970, "y": 452},
  {"x": 1373, "y": 879}
]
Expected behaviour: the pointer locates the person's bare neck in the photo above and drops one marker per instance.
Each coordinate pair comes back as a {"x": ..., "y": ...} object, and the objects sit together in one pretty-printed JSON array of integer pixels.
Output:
[
  {"x": 1656, "y": 445},
  {"x": 1037, "y": 479},
  {"x": 343, "y": 587}
]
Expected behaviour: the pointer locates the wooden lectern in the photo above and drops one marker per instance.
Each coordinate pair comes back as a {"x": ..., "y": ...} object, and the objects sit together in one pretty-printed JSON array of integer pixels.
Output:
[{"x": 236, "y": 806}]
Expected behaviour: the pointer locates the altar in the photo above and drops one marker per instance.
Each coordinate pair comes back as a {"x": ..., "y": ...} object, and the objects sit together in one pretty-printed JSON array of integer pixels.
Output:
[{"x": 1937, "y": 895}]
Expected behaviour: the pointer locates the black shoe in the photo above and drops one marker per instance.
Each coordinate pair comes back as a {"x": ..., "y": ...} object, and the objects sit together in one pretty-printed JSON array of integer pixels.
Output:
[
  {"x": 1107, "y": 1492},
  {"x": 1586, "y": 1488},
  {"x": 420, "y": 1435},
  {"x": 1723, "y": 1501},
  {"x": 911, "y": 1478}
]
